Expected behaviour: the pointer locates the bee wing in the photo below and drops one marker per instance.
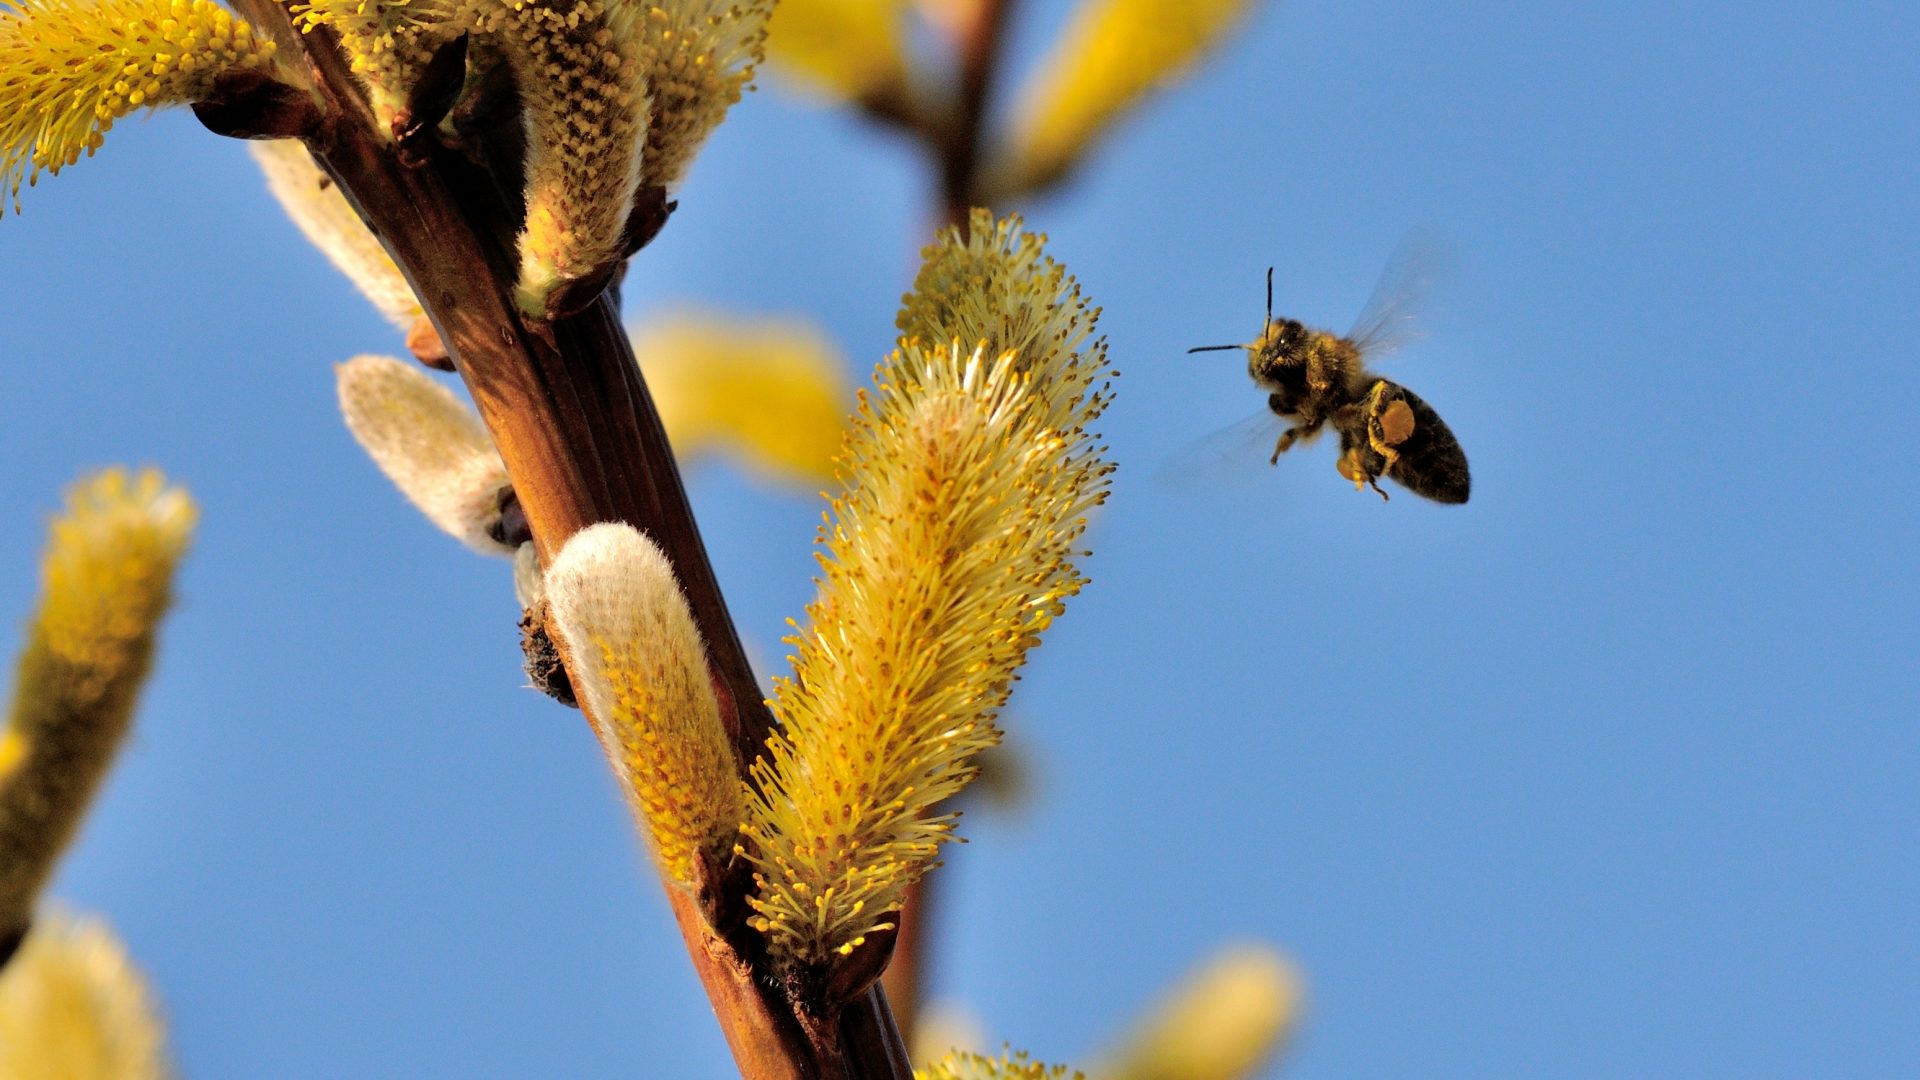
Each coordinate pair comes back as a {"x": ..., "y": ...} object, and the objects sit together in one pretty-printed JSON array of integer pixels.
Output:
[
  {"x": 1234, "y": 456},
  {"x": 1390, "y": 317}
]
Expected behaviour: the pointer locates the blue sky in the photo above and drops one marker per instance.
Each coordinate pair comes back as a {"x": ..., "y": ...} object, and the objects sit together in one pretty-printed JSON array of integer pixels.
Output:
[{"x": 1609, "y": 772}]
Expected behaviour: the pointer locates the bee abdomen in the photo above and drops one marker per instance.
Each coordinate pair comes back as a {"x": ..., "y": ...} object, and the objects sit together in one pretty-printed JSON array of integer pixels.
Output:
[{"x": 1431, "y": 463}]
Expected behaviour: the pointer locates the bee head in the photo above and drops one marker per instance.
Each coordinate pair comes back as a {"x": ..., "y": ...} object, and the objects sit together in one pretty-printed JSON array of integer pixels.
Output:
[{"x": 1280, "y": 353}]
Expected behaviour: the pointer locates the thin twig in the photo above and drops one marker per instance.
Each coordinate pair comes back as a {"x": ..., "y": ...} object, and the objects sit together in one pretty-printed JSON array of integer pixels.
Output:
[{"x": 978, "y": 46}]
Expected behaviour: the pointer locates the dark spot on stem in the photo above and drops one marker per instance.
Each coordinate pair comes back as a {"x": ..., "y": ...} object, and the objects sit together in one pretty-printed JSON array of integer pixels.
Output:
[{"x": 543, "y": 666}]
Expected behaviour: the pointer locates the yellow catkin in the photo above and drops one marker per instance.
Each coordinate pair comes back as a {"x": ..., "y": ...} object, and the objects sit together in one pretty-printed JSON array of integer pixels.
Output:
[
  {"x": 578, "y": 66},
  {"x": 1223, "y": 1022},
  {"x": 106, "y": 579},
  {"x": 428, "y": 443},
  {"x": 387, "y": 42},
  {"x": 969, "y": 477},
  {"x": 641, "y": 671},
  {"x": 846, "y": 49},
  {"x": 771, "y": 393},
  {"x": 616, "y": 95},
  {"x": 73, "y": 1007},
  {"x": 700, "y": 56},
  {"x": 998, "y": 286},
  {"x": 322, "y": 214},
  {"x": 70, "y": 68},
  {"x": 962, "y": 1065},
  {"x": 1111, "y": 55}
]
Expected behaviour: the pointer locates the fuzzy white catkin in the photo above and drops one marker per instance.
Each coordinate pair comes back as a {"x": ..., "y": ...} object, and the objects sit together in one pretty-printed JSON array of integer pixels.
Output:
[
  {"x": 73, "y": 1005},
  {"x": 429, "y": 444},
  {"x": 640, "y": 669},
  {"x": 529, "y": 581},
  {"x": 324, "y": 217}
]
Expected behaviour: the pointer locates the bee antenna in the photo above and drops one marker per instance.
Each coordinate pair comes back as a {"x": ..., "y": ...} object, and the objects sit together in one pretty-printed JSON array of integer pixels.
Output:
[
  {"x": 1213, "y": 348},
  {"x": 1268, "y": 325}
]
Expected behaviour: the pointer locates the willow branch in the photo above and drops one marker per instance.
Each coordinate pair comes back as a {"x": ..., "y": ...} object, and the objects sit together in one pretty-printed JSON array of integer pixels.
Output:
[{"x": 571, "y": 416}]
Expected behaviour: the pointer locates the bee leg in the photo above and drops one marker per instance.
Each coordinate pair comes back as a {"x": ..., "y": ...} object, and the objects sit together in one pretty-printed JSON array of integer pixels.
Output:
[
  {"x": 1353, "y": 466},
  {"x": 1287, "y": 439},
  {"x": 1389, "y": 423},
  {"x": 1387, "y": 452}
]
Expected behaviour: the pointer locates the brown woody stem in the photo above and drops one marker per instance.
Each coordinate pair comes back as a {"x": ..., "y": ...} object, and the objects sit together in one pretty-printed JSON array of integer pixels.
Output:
[
  {"x": 978, "y": 43},
  {"x": 567, "y": 407}
]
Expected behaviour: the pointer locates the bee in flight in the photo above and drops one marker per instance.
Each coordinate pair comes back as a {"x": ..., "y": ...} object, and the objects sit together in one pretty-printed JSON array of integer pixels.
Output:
[{"x": 1316, "y": 379}]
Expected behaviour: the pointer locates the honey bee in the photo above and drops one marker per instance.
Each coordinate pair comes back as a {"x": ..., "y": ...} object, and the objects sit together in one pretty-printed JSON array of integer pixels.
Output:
[{"x": 1316, "y": 379}]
